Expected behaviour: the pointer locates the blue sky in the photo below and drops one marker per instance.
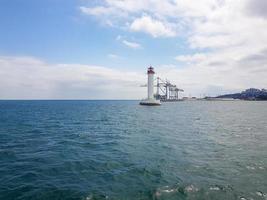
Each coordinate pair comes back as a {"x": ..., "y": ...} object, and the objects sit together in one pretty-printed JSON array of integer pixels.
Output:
[
  {"x": 100, "y": 49},
  {"x": 58, "y": 31}
]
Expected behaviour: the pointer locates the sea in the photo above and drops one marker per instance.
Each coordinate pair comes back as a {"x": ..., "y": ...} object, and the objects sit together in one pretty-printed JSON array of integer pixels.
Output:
[{"x": 119, "y": 150}]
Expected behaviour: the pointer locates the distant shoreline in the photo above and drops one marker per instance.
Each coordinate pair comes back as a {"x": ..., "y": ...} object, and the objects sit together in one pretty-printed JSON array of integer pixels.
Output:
[{"x": 180, "y": 100}]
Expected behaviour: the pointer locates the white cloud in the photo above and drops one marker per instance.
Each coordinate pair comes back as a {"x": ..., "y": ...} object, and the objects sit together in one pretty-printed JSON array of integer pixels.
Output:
[
  {"x": 211, "y": 23},
  {"x": 132, "y": 45},
  {"x": 215, "y": 78},
  {"x": 151, "y": 26},
  {"x": 113, "y": 56},
  {"x": 257, "y": 8},
  {"x": 31, "y": 78},
  {"x": 191, "y": 58},
  {"x": 97, "y": 10},
  {"x": 129, "y": 15}
]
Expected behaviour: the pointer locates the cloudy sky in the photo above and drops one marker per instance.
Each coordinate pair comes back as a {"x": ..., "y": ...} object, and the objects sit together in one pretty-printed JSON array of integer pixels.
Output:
[{"x": 100, "y": 49}]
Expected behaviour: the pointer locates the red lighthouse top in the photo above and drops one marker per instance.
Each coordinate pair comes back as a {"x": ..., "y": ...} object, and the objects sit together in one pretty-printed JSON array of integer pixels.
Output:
[{"x": 150, "y": 70}]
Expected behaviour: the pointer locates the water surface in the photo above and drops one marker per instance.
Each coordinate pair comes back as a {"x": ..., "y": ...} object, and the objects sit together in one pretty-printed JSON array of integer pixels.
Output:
[{"x": 120, "y": 150}]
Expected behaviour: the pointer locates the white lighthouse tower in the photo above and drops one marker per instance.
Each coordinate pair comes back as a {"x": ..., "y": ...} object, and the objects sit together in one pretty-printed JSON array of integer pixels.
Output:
[{"x": 150, "y": 101}]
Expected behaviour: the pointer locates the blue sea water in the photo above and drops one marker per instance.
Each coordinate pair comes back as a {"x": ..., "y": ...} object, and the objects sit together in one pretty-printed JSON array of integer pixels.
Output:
[{"x": 120, "y": 150}]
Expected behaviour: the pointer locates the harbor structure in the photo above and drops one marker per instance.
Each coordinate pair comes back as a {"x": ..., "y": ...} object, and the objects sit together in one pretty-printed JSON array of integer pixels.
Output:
[
  {"x": 166, "y": 91},
  {"x": 151, "y": 100}
]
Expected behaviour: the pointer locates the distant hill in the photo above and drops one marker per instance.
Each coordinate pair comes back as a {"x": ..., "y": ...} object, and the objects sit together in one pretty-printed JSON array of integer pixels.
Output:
[{"x": 249, "y": 94}]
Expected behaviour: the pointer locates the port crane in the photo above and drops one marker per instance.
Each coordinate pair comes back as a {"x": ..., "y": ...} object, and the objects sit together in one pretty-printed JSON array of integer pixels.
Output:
[{"x": 166, "y": 91}]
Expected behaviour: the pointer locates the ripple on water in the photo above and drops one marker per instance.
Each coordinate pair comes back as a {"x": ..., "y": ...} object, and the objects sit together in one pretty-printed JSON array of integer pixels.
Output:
[
  {"x": 96, "y": 197},
  {"x": 215, "y": 188},
  {"x": 261, "y": 194},
  {"x": 191, "y": 188},
  {"x": 177, "y": 190},
  {"x": 119, "y": 150}
]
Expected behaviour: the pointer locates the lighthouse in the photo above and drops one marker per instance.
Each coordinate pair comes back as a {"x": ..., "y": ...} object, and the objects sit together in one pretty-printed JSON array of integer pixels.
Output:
[
  {"x": 150, "y": 101},
  {"x": 150, "y": 83}
]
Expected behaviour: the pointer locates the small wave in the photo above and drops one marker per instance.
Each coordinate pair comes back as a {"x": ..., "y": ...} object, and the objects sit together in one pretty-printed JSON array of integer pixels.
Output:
[
  {"x": 170, "y": 190},
  {"x": 255, "y": 167},
  {"x": 191, "y": 188},
  {"x": 166, "y": 190},
  {"x": 91, "y": 197},
  {"x": 215, "y": 188},
  {"x": 261, "y": 194},
  {"x": 250, "y": 167},
  {"x": 221, "y": 188}
]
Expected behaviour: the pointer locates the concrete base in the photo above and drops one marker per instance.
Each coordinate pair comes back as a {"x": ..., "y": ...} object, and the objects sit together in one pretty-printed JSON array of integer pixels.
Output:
[{"x": 150, "y": 102}]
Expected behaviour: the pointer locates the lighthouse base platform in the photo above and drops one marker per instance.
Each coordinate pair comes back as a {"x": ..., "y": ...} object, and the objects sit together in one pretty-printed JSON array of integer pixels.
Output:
[{"x": 150, "y": 102}]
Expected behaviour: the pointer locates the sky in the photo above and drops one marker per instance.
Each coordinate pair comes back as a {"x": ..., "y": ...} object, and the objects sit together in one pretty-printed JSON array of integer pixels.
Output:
[{"x": 100, "y": 49}]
